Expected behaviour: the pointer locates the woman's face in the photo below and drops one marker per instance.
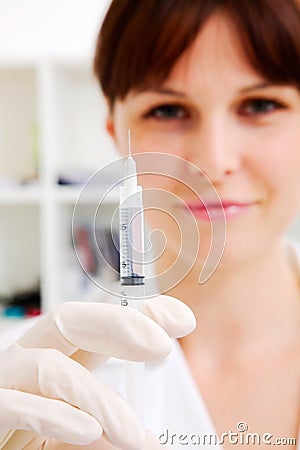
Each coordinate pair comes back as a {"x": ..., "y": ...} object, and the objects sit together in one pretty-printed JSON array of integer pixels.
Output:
[{"x": 243, "y": 132}]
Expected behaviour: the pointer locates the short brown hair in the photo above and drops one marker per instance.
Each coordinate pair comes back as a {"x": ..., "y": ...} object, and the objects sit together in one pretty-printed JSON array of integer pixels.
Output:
[{"x": 141, "y": 40}]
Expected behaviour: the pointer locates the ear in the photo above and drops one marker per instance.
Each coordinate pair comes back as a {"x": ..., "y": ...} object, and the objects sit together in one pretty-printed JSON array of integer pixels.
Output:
[{"x": 110, "y": 128}]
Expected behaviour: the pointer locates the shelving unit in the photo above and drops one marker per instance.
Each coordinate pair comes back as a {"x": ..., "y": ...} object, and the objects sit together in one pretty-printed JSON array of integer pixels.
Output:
[{"x": 51, "y": 124}]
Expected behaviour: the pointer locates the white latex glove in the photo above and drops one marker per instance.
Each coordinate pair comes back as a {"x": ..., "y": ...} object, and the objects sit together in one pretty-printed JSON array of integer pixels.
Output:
[{"x": 46, "y": 386}]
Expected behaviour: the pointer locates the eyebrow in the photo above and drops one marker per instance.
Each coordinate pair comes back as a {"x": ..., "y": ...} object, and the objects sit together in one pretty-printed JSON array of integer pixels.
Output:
[
  {"x": 167, "y": 91},
  {"x": 255, "y": 87}
]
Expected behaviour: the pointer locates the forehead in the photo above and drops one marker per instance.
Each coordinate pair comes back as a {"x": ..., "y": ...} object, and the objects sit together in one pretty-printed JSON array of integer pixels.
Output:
[{"x": 216, "y": 54}]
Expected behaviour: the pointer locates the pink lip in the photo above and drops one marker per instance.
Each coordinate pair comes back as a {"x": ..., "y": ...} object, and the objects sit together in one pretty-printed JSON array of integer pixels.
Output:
[{"x": 212, "y": 211}]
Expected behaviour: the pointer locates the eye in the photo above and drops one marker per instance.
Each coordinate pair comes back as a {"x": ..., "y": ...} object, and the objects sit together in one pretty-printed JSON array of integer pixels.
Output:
[
  {"x": 259, "y": 106},
  {"x": 168, "y": 112}
]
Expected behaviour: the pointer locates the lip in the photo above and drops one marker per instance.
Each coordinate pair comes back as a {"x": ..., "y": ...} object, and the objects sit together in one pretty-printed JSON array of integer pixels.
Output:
[{"x": 217, "y": 211}]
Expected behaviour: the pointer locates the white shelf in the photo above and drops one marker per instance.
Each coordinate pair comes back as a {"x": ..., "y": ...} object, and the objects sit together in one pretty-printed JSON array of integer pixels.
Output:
[
  {"x": 53, "y": 127},
  {"x": 20, "y": 195},
  {"x": 34, "y": 195},
  {"x": 6, "y": 323},
  {"x": 73, "y": 194}
]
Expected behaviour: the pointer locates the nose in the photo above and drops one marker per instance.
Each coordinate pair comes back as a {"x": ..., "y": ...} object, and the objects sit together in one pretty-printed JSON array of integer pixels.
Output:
[{"x": 214, "y": 148}]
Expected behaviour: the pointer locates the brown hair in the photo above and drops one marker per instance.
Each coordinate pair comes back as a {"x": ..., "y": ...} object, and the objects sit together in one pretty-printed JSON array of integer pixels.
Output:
[{"x": 141, "y": 40}]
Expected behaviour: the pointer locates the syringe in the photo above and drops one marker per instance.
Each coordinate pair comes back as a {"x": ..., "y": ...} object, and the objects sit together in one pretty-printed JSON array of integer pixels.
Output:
[{"x": 132, "y": 269}]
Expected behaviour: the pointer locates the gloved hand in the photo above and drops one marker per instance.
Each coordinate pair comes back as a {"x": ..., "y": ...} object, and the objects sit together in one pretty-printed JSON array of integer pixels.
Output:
[{"x": 46, "y": 386}]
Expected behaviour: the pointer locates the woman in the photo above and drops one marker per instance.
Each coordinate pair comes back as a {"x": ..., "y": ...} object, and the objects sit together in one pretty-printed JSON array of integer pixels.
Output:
[
  {"x": 221, "y": 89},
  {"x": 215, "y": 83}
]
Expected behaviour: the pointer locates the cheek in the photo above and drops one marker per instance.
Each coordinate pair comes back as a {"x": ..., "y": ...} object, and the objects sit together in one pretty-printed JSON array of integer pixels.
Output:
[
  {"x": 145, "y": 137},
  {"x": 284, "y": 166},
  {"x": 278, "y": 165},
  {"x": 155, "y": 182},
  {"x": 144, "y": 141},
  {"x": 157, "y": 170}
]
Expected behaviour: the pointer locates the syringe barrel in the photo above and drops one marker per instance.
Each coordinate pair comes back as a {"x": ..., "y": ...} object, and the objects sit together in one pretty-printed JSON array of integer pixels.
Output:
[{"x": 131, "y": 237}]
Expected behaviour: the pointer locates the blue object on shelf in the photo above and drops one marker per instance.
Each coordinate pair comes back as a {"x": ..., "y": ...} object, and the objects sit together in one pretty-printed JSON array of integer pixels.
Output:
[{"x": 14, "y": 311}]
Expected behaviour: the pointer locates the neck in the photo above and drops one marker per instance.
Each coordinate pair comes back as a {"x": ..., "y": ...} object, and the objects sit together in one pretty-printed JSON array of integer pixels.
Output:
[{"x": 245, "y": 305}]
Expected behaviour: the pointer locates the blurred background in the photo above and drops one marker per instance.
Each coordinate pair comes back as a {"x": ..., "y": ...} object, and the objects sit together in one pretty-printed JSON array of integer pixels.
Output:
[{"x": 52, "y": 138}]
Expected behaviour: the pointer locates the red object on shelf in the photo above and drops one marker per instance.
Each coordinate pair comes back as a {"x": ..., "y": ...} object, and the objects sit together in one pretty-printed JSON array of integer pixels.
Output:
[
  {"x": 33, "y": 311},
  {"x": 84, "y": 249}
]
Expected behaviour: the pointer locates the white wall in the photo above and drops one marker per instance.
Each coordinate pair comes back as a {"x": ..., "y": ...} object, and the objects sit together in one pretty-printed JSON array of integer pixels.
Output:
[{"x": 49, "y": 28}]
